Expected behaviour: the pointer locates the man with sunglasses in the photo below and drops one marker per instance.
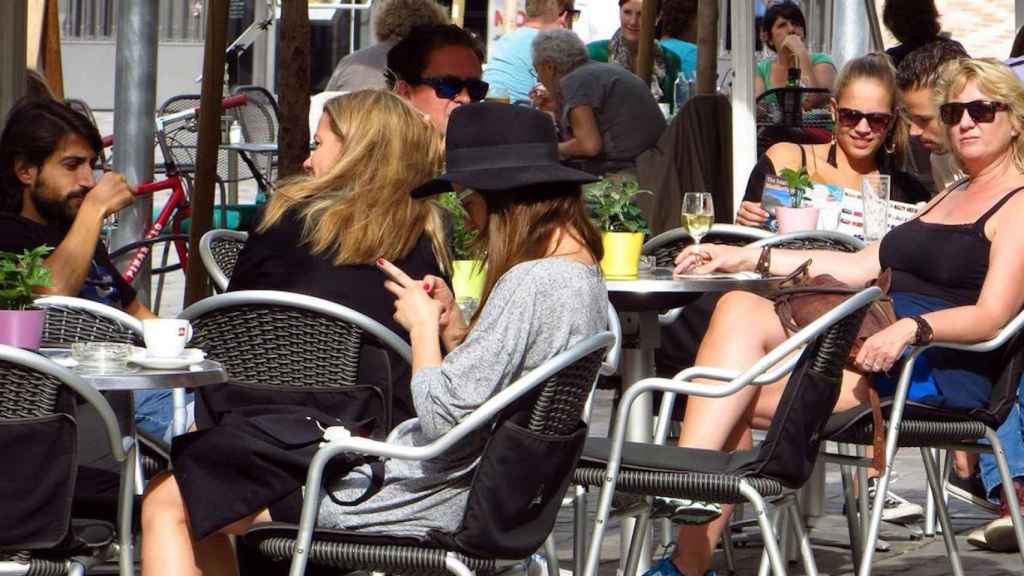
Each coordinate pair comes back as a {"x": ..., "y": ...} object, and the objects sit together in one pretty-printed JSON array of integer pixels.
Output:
[
  {"x": 916, "y": 78},
  {"x": 510, "y": 72},
  {"x": 437, "y": 69}
]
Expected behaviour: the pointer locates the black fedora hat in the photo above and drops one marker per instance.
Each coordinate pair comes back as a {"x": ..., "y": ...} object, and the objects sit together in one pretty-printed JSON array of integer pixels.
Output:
[{"x": 492, "y": 147}]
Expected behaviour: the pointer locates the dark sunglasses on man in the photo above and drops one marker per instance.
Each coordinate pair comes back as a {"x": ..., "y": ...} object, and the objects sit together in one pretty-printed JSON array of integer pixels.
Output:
[
  {"x": 449, "y": 87},
  {"x": 981, "y": 111},
  {"x": 572, "y": 15},
  {"x": 877, "y": 121}
]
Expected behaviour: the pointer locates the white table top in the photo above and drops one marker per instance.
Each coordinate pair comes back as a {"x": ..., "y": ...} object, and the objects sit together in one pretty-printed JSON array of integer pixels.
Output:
[{"x": 139, "y": 378}]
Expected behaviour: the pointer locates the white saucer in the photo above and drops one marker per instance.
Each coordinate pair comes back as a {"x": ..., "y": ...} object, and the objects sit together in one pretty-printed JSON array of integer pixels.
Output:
[{"x": 190, "y": 356}]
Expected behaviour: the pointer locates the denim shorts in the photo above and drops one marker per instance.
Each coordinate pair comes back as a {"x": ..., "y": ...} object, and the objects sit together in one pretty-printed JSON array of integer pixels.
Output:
[{"x": 154, "y": 412}]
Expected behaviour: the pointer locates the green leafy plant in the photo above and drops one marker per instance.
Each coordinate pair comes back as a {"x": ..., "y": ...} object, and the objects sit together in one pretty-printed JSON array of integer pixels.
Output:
[
  {"x": 20, "y": 274},
  {"x": 462, "y": 237},
  {"x": 611, "y": 205},
  {"x": 798, "y": 183}
]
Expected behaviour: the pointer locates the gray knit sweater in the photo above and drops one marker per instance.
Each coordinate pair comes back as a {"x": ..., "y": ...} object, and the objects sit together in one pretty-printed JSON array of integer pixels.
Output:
[{"x": 536, "y": 310}]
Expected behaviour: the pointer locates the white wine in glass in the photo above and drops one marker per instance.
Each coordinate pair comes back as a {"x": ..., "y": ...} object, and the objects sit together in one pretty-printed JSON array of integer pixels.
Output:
[{"x": 698, "y": 214}]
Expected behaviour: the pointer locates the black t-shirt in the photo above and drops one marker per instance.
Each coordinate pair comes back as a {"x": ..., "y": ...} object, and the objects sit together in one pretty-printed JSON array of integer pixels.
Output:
[
  {"x": 276, "y": 260},
  {"x": 103, "y": 283}
]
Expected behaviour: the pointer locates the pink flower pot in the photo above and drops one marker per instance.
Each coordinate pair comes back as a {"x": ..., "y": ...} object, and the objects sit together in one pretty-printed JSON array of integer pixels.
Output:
[
  {"x": 796, "y": 219},
  {"x": 22, "y": 328}
]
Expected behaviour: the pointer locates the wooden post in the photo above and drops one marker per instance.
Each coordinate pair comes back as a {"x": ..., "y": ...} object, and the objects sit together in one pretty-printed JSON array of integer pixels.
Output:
[
  {"x": 293, "y": 92},
  {"x": 196, "y": 284},
  {"x": 707, "y": 46},
  {"x": 53, "y": 69},
  {"x": 645, "y": 55}
]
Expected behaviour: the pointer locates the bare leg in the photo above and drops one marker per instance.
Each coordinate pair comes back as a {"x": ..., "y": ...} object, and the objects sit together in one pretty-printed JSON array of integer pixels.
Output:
[
  {"x": 743, "y": 328},
  {"x": 167, "y": 543}
]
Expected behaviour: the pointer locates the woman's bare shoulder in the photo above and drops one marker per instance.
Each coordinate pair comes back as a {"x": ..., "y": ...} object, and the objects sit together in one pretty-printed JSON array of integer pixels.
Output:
[{"x": 784, "y": 155}]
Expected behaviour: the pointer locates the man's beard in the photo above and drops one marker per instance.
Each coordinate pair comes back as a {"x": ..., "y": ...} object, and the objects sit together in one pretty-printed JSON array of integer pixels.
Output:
[{"x": 58, "y": 211}]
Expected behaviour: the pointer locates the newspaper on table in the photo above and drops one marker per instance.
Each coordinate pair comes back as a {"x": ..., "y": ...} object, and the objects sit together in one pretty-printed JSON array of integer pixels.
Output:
[{"x": 839, "y": 209}]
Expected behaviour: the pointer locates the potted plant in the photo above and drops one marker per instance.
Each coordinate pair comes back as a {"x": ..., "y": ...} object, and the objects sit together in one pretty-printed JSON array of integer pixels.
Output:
[
  {"x": 468, "y": 271},
  {"x": 622, "y": 225},
  {"x": 796, "y": 217},
  {"x": 20, "y": 275}
]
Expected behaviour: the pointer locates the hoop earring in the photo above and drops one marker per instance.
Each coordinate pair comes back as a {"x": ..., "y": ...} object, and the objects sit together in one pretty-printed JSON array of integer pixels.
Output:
[{"x": 890, "y": 146}]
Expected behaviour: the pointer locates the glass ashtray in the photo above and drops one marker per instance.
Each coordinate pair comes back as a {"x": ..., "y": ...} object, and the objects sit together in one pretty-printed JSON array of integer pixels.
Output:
[{"x": 101, "y": 355}]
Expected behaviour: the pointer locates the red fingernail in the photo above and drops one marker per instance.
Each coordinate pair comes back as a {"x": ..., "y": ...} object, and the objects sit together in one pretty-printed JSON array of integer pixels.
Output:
[
  {"x": 381, "y": 261},
  {"x": 427, "y": 286}
]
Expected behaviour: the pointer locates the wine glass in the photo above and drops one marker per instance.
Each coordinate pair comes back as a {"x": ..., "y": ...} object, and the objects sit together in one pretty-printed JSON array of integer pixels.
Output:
[{"x": 698, "y": 214}]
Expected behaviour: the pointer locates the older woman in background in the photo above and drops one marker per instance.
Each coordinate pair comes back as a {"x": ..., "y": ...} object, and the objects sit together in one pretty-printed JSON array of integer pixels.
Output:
[{"x": 606, "y": 114}]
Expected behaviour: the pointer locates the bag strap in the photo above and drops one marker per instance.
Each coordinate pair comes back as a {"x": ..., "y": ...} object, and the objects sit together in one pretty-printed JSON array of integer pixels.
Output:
[{"x": 878, "y": 430}]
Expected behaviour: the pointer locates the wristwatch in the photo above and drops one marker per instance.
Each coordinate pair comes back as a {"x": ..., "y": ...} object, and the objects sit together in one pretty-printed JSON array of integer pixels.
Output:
[{"x": 924, "y": 332}]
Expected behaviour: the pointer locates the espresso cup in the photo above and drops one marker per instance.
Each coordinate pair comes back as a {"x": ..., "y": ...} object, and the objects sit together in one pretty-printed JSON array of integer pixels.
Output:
[{"x": 166, "y": 338}]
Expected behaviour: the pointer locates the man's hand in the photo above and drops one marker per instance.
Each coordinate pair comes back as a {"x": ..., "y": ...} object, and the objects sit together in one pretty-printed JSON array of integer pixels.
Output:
[
  {"x": 110, "y": 194},
  {"x": 751, "y": 214}
]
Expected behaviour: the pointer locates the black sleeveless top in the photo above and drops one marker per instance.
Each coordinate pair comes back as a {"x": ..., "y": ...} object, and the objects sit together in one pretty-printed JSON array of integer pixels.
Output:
[{"x": 945, "y": 261}]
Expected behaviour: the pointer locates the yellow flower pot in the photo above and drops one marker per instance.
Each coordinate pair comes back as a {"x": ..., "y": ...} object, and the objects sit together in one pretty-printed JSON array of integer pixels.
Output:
[
  {"x": 621, "y": 253},
  {"x": 468, "y": 278}
]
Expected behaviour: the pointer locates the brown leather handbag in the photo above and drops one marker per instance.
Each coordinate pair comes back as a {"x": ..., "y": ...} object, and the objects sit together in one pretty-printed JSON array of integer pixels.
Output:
[{"x": 802, "y": 299}]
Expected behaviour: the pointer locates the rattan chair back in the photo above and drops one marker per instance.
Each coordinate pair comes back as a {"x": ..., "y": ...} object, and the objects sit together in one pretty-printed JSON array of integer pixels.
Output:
[
  {"x": 179, "y": 143},
  {"x": 665, "y": 246},
  {"x": 26, "y": 393},
  {"x": 70, "y": 320},
  {"x": 258, "y": 119},
  {"x": 559, "y": 406},
  {"x": 219, "y": 250},
  {"x": 814, "y": 240}
]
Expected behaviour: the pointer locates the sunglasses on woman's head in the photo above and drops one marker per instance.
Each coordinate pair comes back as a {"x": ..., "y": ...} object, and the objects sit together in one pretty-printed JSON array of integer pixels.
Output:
[
  {"x": 449, "y": 87},
  {"x": 877, "y": 121},
  {"x": 981, "y": 111}
]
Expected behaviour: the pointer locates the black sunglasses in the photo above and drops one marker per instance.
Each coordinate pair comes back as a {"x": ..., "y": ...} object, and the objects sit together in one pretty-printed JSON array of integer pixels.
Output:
[
  {"x": 449, "y": 87},
  {"x": 877, "y": 121},
  {"x": 981, "y": 111},
  {"x": 574, "y": 15}
]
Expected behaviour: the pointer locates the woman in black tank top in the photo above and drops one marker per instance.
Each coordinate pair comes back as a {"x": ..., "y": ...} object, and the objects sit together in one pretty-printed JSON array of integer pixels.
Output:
[{"x": 957, "y": 275}]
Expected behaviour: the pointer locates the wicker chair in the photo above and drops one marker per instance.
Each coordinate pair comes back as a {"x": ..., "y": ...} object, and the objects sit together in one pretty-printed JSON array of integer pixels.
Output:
[
  {"x": 259, "y": 122},
  {"x": 547, "y": 404},
  {"x": 659, "y": 470},
  {"x": 666, "y": 245},
  {"x": 219, "y": 250},
  {"x": 38, "y": 433},
  {"x": 814, "y": 240},
  {"x": 283, "y": 344},
  {"x": 916, "y": 425}
]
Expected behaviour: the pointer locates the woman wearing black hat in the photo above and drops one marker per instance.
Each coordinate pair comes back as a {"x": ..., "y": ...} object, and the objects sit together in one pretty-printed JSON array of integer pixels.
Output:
[{"x": 544, "y": 293}]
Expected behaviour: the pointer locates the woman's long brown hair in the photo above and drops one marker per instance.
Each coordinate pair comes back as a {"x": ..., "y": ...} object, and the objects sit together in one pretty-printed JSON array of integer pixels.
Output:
[{"x": 522, "y": 223}]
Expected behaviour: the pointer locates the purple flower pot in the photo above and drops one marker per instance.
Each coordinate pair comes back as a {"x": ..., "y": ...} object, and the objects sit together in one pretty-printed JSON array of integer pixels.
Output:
[{"x": 22, "y": 328}]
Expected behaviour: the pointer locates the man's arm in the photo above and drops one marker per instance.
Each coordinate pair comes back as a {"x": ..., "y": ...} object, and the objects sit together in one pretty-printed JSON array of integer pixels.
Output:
[
  {"x": 138, "y": 310},
  {"x": 586, "y": 141},
  {"x": 69, "y": 262}
]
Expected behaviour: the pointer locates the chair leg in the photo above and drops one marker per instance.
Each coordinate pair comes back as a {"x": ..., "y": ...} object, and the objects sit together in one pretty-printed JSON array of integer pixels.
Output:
[
  {"x": 1008, "y": 492},
  {"x": 551, "y": 556},
  {"x": 862, "y": 495},
  {"x": 932, "y": 472},
  {"x": 771, "y": 544},
  {"x": 796, "y": 520},
  {"x": 853, "y": 518},
  {"x": 930, "y": 509},
  {"x": 641, "y": 531},
  {"x": 455, "y": 566},
  {"x": 727, "y": 549},
  {"x": 579, "y": 541},
  {"x": 126, "y": 566}
]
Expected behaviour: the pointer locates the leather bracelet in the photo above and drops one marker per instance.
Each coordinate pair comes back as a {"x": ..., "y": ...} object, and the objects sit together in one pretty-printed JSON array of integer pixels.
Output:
[
  {"x": 764, "y": 263},
  {"x": 924, "y": 333}
]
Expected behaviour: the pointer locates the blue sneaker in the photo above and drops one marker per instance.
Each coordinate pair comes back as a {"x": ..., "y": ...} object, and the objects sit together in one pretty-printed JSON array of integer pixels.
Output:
[{"x": 665, "y": 567}]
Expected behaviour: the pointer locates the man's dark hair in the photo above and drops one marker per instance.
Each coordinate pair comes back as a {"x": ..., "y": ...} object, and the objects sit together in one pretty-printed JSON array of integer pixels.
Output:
[
  {"x": 676, "y": 16},
  {"x": 920, "y": 68},
  {"x": 34, "y": 129},
  {"x": 787, "y": 10},
  {"x": 408, "y": 59},
  {"x": 912, "y": 21}
]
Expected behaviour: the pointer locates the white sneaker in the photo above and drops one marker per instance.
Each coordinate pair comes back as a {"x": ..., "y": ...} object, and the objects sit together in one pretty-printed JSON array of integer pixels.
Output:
[
  {"x": 977, "y": 538},
  {"x": 1000, "y": 536},
  {"x": 896, "y": 508}
]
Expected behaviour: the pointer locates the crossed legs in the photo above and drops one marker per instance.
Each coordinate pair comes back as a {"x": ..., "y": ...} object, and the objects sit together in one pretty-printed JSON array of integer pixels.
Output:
[
  {"x": 744, "y": 327},
  {"x": 167, "y": 543}
]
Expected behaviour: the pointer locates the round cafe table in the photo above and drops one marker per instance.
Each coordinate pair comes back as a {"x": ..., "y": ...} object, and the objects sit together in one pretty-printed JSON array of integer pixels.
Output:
[{"x": 638, "y": 301}]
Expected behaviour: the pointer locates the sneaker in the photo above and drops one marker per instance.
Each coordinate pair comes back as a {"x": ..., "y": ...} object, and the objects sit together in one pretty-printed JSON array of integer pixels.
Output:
[
  {"x": 977, "y": 539},
  {"x": 896, "y": 508},
  {"x": 970, "y": 490},
  {"x": 999, "y": 533},
  {"x": 686, "y": 511},
  {"x": 666, "y": 567}
]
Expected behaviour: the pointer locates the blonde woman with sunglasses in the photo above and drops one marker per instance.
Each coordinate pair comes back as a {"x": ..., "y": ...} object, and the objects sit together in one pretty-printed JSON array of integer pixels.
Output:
[
  {"x": 869, "y": 138},
  {"x": 956, "y": 273}
]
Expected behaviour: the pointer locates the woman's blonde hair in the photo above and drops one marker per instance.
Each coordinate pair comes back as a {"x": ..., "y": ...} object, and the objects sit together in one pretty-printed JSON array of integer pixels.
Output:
[
  {"x": 996, "y": 81},
  {"x": 361, "y": 208},
  {"x": 522, "y": 222},
  {"x": 877, "y": 66}
]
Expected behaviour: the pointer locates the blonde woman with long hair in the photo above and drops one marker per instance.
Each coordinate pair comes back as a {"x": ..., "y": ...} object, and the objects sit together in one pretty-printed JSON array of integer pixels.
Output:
[{"x": 321, "y": 234}]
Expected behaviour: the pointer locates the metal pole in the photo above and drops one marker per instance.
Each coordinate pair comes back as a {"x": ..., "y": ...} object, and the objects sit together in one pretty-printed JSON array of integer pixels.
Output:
[
  {"x": 707, "y": 46},
  {"x": 13, "y": 19},
  {"x": 645, "y": 55},
  {"x": 259, "y": 48},
  {"x": 134, "y": 104},
  {"x": 196, "y": 284},
  {"x": 744, "y": 126}
]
